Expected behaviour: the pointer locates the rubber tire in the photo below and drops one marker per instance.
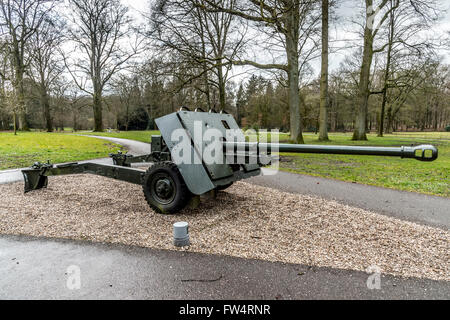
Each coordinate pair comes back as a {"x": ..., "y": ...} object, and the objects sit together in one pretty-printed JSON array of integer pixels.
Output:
[
  {"x": 222, "y": 188},
  {"x": 182, "y": 196}
]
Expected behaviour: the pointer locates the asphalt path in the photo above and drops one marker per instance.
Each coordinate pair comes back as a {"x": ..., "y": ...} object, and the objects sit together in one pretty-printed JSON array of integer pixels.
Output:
[{"x": 33, "y": 268}]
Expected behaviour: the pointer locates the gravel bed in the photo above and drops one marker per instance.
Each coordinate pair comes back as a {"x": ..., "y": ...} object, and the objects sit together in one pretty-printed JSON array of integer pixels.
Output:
[{"x": 245, "y": 221}]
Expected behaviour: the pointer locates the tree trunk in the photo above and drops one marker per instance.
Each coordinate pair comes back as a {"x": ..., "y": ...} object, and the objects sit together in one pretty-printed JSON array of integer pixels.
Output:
[
  {"x": 75, "y": 122},
  {"x": 435, "y": 116},
  {"x": 205, "y": 68},
  {"x": 207, "y": 91},
  {"x": 98, "y": 117},
  {"x": 127, "y": 117},
  {"x": 390, "y": 120},
  {"x": 382, "y": 113},
  {"x": 294, "y": 94},
  {"x": 323, "y": 118},
  {"x": 23, "y": 123},
  {"x": 363, "y": 94},
  {"x": 222, "y": 89},
  {"x": 238, "y": 114},
  {"x": 45, "y": 103},
  {"x": 14, "y": 123},
  {"x": 386, "y": 74}
]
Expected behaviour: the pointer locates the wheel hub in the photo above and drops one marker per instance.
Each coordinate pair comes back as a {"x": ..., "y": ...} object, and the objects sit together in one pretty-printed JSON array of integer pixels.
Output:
[{"x": 164, "y": 189}]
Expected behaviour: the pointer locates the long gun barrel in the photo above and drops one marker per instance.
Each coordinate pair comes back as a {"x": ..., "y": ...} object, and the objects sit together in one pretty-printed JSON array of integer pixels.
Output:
[
  {"x": 422, "y": 153},
  {"x": 186, "y": 164}
]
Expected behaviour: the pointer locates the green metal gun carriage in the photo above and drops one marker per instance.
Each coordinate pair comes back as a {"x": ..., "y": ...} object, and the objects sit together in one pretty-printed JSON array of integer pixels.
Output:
[{"x": 169, "y": 184}]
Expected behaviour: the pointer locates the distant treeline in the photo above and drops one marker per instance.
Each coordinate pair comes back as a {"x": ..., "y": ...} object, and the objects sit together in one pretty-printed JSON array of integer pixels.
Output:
[{"x": 85, "y": 64}]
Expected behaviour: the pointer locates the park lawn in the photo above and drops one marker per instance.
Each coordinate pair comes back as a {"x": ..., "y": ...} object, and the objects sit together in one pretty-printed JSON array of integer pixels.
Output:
[
  {"x": 142, "y": 136},
  {"x": 29, "y": 147},
  {"x": 401, "y": 174}
]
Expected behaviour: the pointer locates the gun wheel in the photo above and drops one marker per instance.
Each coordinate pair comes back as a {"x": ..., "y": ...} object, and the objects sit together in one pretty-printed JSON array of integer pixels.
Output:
[{"x": 165, "y": 189}]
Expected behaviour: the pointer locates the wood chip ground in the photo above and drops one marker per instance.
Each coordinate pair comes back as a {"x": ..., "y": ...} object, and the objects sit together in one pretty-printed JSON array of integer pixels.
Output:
[{"x": 246, "y": 221}]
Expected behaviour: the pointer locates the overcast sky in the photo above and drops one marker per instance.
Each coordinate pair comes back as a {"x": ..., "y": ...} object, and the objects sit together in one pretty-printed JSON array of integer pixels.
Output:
[{"x": 347, "y": 9}]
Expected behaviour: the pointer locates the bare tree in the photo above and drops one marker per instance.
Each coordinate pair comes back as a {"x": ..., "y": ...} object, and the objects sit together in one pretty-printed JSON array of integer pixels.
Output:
[
  {"x": 370, "y": 32},
  {"x": 377, "y": 18},
  {"x": 8, "y": 98},
  {"x": 403, "y": 47},
  {"x": 202, "y": 39},
  {"x": 98, "y": 29},
  {"x": 46, "y": 63},
  {"x": 293, "y": 24},
  {"x": 19, "y": 21},
  {"x": 5, "y": 109},
  {"x": 76, "y": 103},
  {"x": 323, "y": 118},
  {"x": 127, "y": 88}
]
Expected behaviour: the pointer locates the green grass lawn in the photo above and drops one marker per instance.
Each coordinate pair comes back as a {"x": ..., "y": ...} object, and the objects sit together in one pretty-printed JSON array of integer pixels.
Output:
[
  {"x": 28, "y": 147},
  {"x": 402, "y": 174}
]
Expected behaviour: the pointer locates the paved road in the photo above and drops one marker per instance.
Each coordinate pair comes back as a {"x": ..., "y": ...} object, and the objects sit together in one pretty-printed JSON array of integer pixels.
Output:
[
  {"x": 37, "y": 269},
  {"x": 135, "y": 148}
]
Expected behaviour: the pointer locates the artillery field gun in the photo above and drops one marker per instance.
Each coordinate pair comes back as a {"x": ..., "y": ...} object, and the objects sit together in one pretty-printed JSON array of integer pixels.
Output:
[{"x": 197, "y": 153}]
